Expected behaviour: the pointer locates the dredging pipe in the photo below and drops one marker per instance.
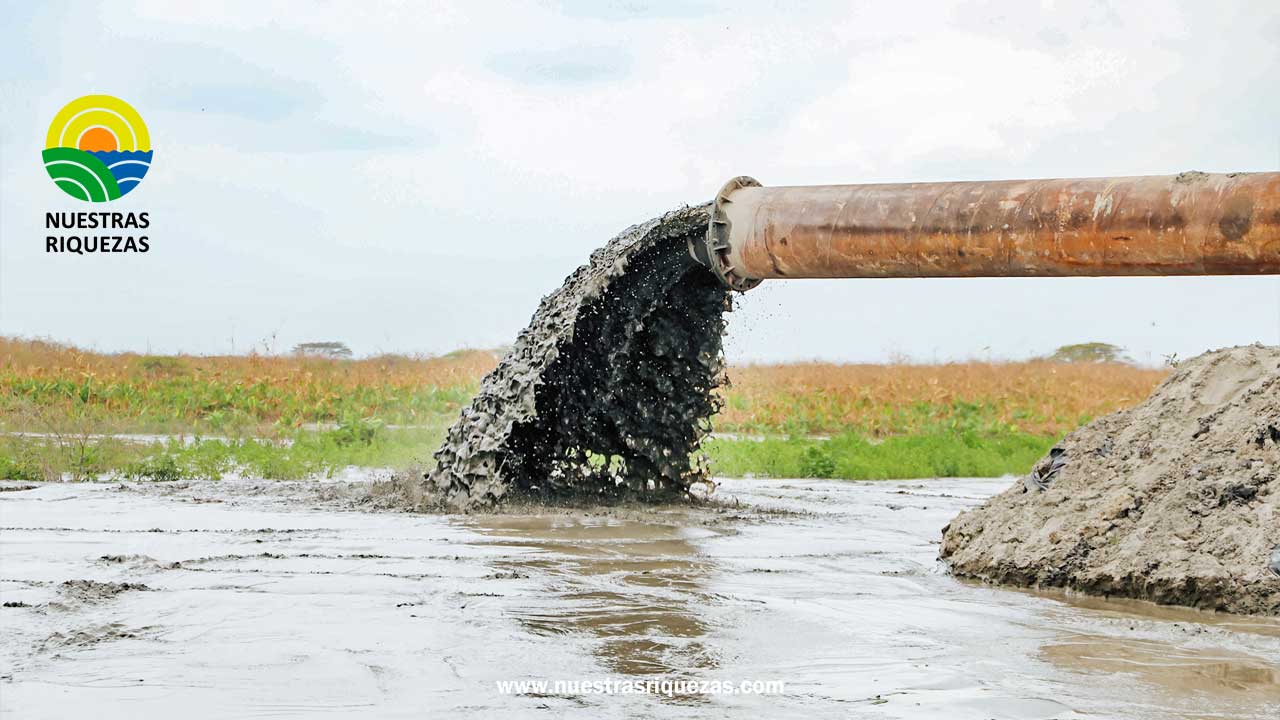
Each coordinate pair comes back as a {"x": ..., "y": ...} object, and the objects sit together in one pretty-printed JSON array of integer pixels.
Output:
[{"x": 1189, "y": 224}]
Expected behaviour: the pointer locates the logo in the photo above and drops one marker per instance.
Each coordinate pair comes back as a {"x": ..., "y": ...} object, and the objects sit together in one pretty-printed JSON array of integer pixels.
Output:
[{"x": 98, "y": 148}]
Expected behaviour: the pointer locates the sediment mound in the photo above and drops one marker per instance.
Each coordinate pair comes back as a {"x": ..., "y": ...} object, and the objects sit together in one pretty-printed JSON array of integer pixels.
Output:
[
  {"x": 607, "y": 392},
  {"x": 1176, "y": 500}
]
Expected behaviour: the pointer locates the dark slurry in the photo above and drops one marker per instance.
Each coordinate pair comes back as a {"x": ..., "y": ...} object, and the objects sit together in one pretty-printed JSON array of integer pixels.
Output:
[{"x": 608, "y": 391}]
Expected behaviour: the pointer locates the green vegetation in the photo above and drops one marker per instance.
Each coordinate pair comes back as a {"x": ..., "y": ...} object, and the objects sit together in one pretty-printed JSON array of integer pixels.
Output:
[
  {"x": 1089, "y": 352},
  {"x": 307, "y": 453},
  {"x": 323, "y": 453},
  {"x": 854, "y": 457}
]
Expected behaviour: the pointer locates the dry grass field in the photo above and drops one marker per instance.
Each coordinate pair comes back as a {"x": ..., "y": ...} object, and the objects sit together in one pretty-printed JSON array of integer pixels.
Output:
[
  {"x": 1040, "y": 397},
  {"x": 253, "y": 393},
  {"x": 61, "y": 406}
]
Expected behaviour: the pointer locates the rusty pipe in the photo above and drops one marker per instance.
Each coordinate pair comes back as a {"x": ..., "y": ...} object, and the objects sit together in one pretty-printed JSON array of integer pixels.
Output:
[{"x": 1189, "y": 224}]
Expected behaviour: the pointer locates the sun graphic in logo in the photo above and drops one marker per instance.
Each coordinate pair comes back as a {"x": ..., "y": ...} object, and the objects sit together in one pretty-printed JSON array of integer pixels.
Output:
[{"x": 97, "y": 149}]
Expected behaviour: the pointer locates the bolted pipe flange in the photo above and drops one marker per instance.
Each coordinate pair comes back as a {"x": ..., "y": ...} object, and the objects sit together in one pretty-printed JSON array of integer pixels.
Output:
[{"x": 712, "y": 250}]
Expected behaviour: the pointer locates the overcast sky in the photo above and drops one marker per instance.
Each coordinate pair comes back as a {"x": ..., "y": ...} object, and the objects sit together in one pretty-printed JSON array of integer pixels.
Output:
[{"x": 414, "y": 177}]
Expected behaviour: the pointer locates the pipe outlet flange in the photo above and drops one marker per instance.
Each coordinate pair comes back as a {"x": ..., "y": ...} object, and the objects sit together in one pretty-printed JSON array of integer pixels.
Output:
[{"x": 712, "y": 251}]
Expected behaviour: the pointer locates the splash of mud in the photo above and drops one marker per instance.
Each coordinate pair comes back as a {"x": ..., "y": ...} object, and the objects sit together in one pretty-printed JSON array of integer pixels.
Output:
[
  {"x": 608, "y": 391},
  {"x": 1176, "y": 500}
]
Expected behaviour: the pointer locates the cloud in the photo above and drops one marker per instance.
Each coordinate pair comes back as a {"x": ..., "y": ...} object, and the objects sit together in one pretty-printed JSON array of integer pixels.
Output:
[
  {"x": 901, "y": 104},
  {"x": 569, "y": 66},
  {"x": 636, "y": 9},
  {"x": 406, "y": 140}
]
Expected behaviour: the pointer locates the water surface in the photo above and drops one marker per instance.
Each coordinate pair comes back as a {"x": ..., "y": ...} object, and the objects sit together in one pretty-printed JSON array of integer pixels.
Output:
[{"x": 262, "y": 602}]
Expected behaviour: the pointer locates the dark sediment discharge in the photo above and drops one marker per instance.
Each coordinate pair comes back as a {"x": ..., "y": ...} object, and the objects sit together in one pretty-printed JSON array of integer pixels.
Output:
[
  {"x": 1176, "y": 500},
  {"x": 608, "y": 391}
]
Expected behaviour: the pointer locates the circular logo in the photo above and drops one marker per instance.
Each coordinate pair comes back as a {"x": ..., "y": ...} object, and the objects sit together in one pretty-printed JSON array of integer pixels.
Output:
[{"x": 97, "y": 149}]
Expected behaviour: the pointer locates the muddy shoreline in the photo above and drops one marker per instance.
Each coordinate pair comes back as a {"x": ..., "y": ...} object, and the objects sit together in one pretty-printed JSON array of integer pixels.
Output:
[{"x": 1176, "y": 500}]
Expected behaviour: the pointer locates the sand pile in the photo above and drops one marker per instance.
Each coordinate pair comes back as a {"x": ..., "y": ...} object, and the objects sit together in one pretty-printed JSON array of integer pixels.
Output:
[
  {"x": 1176, "y": 500},
  {"x": 607, "y": 392}
]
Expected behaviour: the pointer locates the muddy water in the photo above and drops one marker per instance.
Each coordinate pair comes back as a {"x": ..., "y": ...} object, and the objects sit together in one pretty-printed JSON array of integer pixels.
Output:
[{"x": 268, "y": 600}]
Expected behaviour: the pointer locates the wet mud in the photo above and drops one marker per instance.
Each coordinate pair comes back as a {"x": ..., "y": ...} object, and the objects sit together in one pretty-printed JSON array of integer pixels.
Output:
[
  {"x": 1176, "y": 500},
  {"x": 281, "y": 601},
  {"x": 607, "y": 393}
]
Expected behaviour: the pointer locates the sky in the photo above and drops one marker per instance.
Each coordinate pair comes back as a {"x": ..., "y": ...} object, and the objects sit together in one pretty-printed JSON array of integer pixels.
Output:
[{"x": 414, "y": 177}]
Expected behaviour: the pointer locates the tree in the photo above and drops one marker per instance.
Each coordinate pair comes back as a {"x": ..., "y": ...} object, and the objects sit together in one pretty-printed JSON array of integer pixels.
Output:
[
  {"x": 1089, "y": 352},
  {"x": 327, "y": 349}
]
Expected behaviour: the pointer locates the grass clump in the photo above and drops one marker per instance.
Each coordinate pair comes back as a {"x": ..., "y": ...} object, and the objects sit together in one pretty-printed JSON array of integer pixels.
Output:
[
  {"x": 156, "y": 468},
  {"x": 13, "y": 468}
]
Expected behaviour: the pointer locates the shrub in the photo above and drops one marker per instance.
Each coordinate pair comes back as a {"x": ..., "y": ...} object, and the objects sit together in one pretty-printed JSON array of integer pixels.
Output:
[
  {"x": 157, "y": 468},
  {"x": 816, "y": 462}
]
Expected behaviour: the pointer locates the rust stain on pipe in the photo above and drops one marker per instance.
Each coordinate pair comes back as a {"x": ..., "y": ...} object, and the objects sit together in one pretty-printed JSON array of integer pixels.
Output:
[{"x": 1189, "y": 224}]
